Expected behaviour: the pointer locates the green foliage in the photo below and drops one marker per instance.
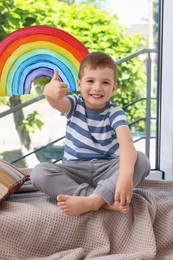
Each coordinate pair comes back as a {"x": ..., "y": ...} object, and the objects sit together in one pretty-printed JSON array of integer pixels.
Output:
[
  {"x": 39, "y": 84},
  {"x": 95, "y": 2},
  {"x": 32, "y": 122},
  {"x": 98, "y": 30}
]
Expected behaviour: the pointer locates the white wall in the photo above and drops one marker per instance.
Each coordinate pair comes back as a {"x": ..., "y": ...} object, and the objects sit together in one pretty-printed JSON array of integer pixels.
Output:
[{"x": 166, "y": 159}]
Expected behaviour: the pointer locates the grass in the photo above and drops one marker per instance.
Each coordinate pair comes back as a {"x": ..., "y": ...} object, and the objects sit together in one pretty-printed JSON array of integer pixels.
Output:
[
  {"x": 11, "y": 155},
  {"x": 49, "y": 154}
]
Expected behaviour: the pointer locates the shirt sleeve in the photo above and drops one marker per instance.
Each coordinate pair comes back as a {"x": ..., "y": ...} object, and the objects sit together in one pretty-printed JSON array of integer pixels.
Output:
[
  {"x": 73, "y": 101},
  {"x": 117, "y": 117}
]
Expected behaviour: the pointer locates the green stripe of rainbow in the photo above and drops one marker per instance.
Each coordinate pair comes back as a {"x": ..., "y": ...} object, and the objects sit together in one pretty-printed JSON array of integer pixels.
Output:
[{"x": 35, "y": 50}]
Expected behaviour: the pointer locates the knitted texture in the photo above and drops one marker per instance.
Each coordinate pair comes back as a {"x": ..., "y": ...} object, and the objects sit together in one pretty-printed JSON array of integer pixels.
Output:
[{"x": 32, "y": 227}]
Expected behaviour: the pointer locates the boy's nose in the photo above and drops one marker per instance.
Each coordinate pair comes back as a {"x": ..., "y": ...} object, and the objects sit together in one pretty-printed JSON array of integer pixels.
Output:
[{"x": 97, "y": 86}]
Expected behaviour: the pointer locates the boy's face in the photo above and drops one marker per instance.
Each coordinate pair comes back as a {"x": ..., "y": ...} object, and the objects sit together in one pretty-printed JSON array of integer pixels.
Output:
[{"x": 97, "y": 86}]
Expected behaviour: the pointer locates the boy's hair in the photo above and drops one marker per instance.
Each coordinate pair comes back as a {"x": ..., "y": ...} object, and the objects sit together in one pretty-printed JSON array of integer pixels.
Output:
[{"x": 95, "y": 60}]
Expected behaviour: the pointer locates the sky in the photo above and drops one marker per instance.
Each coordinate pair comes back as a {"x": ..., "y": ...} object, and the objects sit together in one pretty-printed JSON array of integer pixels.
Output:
[{"x": 129, "y": 11}]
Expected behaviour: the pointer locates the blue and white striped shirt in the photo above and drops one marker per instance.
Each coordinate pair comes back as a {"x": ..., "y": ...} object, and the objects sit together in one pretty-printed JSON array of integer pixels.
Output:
[{"x": 91, "y": 134}]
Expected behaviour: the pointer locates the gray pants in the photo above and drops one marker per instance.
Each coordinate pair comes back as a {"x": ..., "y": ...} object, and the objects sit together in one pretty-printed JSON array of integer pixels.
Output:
[{"x": 84, "y": 178}]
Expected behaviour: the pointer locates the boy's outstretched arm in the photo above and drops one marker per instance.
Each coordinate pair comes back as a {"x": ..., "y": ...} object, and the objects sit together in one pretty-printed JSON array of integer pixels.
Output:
[
  {"x": 128, "y": 156},
  {"x": 55, "y": 92}
]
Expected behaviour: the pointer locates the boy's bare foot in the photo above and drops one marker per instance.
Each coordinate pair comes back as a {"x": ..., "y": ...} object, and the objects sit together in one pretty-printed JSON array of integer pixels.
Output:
[
  {"x": 116, "y": 206},
  {"x": 77, "y": 205}
]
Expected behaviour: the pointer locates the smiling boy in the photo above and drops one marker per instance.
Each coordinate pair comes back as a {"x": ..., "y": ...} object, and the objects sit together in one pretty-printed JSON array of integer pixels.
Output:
[{"x": 100, "y": 166}]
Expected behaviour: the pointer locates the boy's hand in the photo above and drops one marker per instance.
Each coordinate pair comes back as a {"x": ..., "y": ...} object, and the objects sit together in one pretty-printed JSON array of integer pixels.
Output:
[
  {"x": 123, "y": 192},
  {"x": 56, "y": 89}
]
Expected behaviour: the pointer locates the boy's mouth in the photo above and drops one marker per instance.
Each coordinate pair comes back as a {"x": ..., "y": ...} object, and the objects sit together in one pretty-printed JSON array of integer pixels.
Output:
[{"x": 96, "y": 95}]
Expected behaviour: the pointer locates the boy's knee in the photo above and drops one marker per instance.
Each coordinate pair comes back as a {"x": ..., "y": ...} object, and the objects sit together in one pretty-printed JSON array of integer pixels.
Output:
[
  {"x": 143, "y": 163},
  {"x": 37, "y": 173}
]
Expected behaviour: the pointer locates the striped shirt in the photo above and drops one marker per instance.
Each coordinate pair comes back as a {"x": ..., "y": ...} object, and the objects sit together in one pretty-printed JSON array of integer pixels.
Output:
[{"x": 91, "y": 134}]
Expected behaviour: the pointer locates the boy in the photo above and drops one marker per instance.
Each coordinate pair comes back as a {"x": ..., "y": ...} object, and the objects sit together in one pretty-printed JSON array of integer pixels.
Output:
[{"x": 100, "y": 166}]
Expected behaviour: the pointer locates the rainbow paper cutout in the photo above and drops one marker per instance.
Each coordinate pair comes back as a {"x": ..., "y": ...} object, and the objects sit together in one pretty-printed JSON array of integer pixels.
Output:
[{"x": 35, "y": 51}]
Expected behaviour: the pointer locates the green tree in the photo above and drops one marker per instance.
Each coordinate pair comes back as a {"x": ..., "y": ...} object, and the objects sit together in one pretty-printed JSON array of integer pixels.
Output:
[
  {"x": 96, "y": 29},
  {"x": 95, "y": 2}
]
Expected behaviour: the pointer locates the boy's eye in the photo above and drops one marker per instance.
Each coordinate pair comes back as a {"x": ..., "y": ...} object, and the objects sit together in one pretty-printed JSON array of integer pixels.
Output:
[
  {"x": 106, "y": 83},
  {"x": 90, "y": 81}
]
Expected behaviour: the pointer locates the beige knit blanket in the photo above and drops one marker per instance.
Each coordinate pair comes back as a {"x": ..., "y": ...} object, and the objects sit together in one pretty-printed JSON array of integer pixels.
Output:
[{"x": 32, "y": 227}]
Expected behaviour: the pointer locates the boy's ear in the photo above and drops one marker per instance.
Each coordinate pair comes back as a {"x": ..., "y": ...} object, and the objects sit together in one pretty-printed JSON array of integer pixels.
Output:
[
  {"x": 115, "y": 86},
  {"x": 78, "y": 84}
]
